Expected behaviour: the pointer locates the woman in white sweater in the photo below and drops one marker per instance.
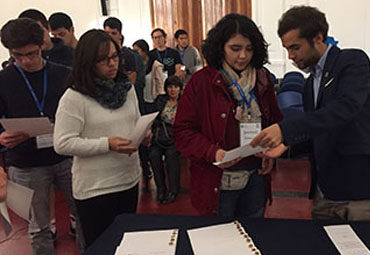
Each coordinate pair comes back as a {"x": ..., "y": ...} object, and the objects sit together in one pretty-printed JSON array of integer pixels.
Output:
[{"x": 95, "y": 116}]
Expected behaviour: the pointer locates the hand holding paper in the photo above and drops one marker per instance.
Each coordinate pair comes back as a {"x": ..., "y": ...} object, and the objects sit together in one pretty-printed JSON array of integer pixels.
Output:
[
  {"x": 141, "y": 129},
  {"x": 12, "y": 139},
  {"x": 31, "y": 126},
  {"x": 240, "y": 152},
  {"x": 121, "y": 145}
]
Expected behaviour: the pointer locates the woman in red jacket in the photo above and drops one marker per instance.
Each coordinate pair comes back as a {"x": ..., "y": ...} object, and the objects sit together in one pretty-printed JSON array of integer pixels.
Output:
[{"x": 223, "y": 102}]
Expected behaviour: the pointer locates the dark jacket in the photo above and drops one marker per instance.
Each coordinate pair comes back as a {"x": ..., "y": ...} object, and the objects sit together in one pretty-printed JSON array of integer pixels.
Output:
[
  {"x": 205, "y": 122},
  {"x": 158, "y": 125},
  {"x": 339, "y": 126},
  {"x": 60, "y": 53},
  {"x": 16, "y": 102}
]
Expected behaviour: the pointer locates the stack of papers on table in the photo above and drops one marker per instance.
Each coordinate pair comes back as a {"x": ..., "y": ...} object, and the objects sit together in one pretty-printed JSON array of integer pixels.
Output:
[
  {"x": 148, "y": 242},
  {"x": 230, "y": 238}
]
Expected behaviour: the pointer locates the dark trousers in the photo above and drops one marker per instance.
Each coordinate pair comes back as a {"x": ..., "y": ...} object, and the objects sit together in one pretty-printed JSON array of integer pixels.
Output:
[
  {"x": 172, "y": 158},
  {"x": 97, "y": 213},
  {"x": 144, "y": 160}
]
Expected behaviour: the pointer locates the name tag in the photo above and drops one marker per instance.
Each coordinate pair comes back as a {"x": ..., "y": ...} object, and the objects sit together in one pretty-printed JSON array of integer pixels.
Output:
[
  {"x": 44, "y": 141},
  {"x": 248, "y": 130}
]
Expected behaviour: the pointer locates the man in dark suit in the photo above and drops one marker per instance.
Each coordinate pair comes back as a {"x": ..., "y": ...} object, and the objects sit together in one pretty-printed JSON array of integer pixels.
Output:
[{"x": 336, "y": 119}]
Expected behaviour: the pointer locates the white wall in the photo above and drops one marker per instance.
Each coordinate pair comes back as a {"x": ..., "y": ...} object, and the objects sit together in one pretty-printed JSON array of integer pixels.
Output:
[
  {"x": 86, "y": 14},
  {"x": 349, "y": 23}
]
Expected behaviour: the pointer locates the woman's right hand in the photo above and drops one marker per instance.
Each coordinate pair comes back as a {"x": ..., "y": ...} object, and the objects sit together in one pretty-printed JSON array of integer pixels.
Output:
[
  {"x": 220, "y": 154},
  {"x": 121, "y": 145}
]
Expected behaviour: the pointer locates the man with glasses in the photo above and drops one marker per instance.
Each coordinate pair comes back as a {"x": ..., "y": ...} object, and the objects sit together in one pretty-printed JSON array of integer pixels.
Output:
[
  {"x": 170, "y": 58},
  {"x": 53, "y": 49},
  {"x": 32, "y": 87}
]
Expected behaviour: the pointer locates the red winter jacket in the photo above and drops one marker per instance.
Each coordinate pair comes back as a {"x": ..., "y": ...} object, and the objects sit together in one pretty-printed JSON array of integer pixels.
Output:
[{"x": 205, "y": 122}]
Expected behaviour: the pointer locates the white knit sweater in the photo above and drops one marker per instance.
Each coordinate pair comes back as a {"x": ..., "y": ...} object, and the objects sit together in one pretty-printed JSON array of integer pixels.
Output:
[{"x": 82, "y": 128}]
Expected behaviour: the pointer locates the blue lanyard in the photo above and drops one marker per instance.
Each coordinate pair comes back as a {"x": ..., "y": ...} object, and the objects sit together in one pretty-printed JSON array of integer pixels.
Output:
[
  {"x": 181, "y": 53},
  {"x": 159, "y": 55},
  {"x": 40, "y": 105},
  {"x": 241, "y": 92}
]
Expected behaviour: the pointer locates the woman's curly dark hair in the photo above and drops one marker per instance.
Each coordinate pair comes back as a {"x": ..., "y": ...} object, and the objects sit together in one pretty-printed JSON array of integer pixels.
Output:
[{"x": 229, "y": 26}]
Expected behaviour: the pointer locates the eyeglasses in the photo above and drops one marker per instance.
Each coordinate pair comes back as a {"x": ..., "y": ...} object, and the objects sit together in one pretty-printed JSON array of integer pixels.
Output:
[
  {"x": 30, "y": 55},
  {"x": 106, "y": 60}
]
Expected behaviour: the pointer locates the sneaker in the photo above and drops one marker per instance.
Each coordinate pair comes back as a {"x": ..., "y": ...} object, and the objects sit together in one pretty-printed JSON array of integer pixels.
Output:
[
  {"x": 53, "y": 229},
  {"x": 72, "y": 227}
]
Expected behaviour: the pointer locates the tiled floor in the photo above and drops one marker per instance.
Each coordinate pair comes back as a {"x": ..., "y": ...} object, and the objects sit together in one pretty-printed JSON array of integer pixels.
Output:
[{"x": 290, "y": 184}]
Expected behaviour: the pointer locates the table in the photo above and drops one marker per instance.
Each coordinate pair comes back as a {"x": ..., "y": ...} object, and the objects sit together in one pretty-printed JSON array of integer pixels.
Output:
[{"x": 271, "y": 236}]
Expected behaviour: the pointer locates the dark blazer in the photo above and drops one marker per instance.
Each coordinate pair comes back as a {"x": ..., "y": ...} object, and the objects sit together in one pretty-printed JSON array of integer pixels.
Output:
[{"x": 339, "y": 126}]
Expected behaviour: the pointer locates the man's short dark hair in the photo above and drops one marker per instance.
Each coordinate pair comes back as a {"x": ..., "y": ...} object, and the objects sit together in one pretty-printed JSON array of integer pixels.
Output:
[
  {"x": 226, "y": 28},
  {"x": 60, "y": 20},
  {"x": 35, "y": 15},
  {"x": 180, "y": 32},
  {"x": 309, "y": 20},
  {"x": 21, "y": 32},
  {"x": 160, "y": 30},
  {"x": 113, "y": 23}
]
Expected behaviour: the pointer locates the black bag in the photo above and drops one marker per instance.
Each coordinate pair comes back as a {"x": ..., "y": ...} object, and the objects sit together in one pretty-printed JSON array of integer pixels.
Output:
[{"x": 163, "y": 135}]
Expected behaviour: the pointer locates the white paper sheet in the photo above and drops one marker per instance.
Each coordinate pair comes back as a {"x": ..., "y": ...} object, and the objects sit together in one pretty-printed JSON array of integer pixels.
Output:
[
  {"x": 222, "y": 239},
  {"x": 31, "y": 126},
  {"x": 158, "y": 242},
  {"x": 346, "y": 240},
  {"x": 19, "y": 199},
  {"x": 5, "y": 219},
  {"x": 141, "y": 128},
  {"x": 243, "y": 151}
]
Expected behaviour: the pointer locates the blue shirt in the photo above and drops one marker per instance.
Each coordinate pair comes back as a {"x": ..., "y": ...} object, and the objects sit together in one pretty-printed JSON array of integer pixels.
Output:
[{"x": 317, "y": 74}]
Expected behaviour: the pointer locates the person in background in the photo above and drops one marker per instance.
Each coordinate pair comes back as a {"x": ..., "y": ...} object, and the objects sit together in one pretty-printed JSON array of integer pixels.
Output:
[
  {"x": 3, "y": 184},
  {"x": 163, "y": 143},
  {"x": 189, "y": 55},
  {"x": 62, "y": 27},
  {"x": 336, "y": 118},
  {"x": 221, "y": 105},
  {"x": 113, "y": 27},
  {"x": 29, "y": 88},
  {"x": 168, "y": 57},
  {"x": 94, "y": 118},
  {"x": 53, "y": 49}
]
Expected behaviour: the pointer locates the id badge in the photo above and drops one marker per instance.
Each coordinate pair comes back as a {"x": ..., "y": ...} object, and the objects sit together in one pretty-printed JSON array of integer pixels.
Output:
[
  {"x": 248, "y": 130},
  {"x": 44, "y": 141}
]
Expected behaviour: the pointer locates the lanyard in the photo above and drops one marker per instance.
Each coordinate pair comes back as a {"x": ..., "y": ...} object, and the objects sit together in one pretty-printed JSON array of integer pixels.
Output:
[
  {"x": 241, "y": 92},
  {"x": 181, "y": 53},
  {"x": 159, "y": 55},
  {"x": 40, "y": 105}
]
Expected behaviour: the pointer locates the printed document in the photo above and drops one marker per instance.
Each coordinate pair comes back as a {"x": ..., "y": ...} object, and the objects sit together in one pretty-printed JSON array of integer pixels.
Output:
[
  {"x": 31, "y": 126},
  {"x": 158, "y": 242}
]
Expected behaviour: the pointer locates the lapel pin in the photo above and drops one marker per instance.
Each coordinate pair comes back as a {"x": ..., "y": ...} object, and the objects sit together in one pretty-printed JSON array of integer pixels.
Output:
[{"x": 326, "y": 74}]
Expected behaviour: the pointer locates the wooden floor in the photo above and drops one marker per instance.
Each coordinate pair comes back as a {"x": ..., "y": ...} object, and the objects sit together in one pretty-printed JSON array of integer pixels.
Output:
[{"x": 290, "y": 185}]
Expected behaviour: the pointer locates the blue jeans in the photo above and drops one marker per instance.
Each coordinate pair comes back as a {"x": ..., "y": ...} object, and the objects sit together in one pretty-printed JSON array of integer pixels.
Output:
[
  {"x": 40, "y": 180},
  {"x": 247, "y": 202}
]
